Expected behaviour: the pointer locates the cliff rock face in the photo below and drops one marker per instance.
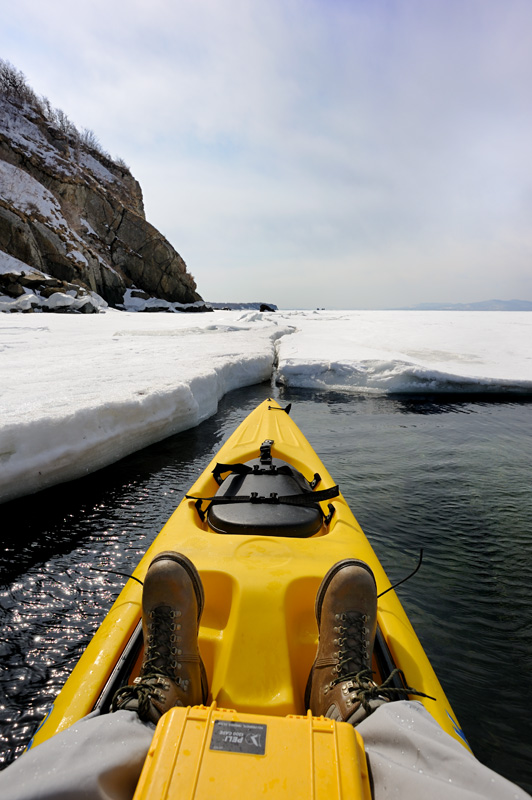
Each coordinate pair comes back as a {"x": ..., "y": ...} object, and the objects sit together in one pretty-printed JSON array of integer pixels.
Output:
[{"x": 70, "y": 212}]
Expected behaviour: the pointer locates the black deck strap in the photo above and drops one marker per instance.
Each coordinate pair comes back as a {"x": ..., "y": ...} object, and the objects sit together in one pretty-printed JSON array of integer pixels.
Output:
[
  {"x": 236, "y": 469},
  {"x": 310, "y": 498},
  {"x": 245, "y": 469},
  {"x": 304, "y": 499},
  {"x": 284, "y": 469}
]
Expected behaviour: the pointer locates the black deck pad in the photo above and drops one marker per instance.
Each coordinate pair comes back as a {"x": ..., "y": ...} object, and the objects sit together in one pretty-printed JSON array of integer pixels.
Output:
[{"x": 263, "y": 518}]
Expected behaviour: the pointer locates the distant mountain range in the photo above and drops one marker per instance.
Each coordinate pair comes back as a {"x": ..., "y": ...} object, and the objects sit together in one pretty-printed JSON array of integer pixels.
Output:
[{"x": 486, "y": 305}]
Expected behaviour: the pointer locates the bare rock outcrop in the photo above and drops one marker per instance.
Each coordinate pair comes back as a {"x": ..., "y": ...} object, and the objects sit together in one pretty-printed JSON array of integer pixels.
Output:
[
  {"x": 28, "y": 289},
  {"x": 70, "y": 212}
]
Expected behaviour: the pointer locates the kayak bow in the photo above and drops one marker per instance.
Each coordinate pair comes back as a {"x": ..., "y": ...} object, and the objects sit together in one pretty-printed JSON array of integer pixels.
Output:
[{"x": 263, "y": 524}]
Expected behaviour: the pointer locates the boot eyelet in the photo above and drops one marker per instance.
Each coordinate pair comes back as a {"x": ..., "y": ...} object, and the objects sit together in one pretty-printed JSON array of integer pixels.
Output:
[
  {"x": 179, "y": 652},
  {"x": 177, "y": 613},
  {"x": 179, "y": 665},
  {"x": 178, "y": 627}
]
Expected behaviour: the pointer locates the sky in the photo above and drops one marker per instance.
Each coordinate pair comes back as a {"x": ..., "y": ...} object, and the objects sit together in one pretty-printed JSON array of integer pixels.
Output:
[{"x": 309, "y": 153}]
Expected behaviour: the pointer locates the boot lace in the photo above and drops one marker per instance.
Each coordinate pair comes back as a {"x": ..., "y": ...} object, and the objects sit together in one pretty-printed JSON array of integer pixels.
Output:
[
  {"x": 159, "y": 662},
  {"x": 159, "y": 658},
  {"x": 143, "y": 692},
  {"x": 353, "y": 665},
  {"x": 353, "y": 645}
]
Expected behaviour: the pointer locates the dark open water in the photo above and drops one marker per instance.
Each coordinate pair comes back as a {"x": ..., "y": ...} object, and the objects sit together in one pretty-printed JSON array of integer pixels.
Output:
[{"x": 450, "y": 475}]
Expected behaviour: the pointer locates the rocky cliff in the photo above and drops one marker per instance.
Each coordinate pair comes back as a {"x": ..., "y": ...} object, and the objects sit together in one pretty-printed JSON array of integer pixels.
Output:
[{"x": 73, "y": 214}]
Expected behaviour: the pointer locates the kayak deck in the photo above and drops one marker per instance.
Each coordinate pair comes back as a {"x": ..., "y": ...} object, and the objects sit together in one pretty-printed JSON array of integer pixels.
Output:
[{"x": 258, "y": 633}]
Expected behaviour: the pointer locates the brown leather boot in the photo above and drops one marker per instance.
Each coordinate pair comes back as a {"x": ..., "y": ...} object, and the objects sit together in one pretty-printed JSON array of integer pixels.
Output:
[
  {"x": 340, "y": 685},
  {"x": 172, "y": 672}
]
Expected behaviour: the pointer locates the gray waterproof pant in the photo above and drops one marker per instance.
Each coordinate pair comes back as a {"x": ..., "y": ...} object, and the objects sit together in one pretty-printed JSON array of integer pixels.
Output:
[{"x": 410, "y": 757}]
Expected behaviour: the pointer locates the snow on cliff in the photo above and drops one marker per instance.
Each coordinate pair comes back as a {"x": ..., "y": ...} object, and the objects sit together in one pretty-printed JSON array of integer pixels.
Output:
[{"x": 70, "y": 211}]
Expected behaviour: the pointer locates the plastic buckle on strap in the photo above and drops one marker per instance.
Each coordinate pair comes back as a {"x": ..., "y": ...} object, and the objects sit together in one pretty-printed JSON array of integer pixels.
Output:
[
  {"x": 328, "y": 518},
  {"x": 201, "y": 513},
  {"x": 266, "y": 452},
  {"x": 316, "y": 479}
]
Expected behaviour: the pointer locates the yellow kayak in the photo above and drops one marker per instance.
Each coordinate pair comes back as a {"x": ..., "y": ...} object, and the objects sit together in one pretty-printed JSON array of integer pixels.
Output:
[{"x": 262, "y": 555}]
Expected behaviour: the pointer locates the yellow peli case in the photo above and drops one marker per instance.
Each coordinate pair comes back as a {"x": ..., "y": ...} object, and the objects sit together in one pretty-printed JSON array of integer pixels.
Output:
[{"x": 210, "y": 753}]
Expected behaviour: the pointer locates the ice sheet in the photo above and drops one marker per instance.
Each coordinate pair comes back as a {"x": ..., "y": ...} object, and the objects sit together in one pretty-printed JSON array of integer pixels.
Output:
[
  {"x": 409, "y": 351},
  {"x": 80, "y": 392}
]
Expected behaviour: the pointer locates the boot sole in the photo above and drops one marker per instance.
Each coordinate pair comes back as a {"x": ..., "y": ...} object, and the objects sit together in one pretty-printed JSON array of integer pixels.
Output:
[
  {"x": 194, "y": 576},
  {"x": 347, "y": 562}
]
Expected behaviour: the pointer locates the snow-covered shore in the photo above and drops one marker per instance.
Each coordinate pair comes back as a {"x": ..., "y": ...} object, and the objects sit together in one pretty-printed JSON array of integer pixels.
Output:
[
  {"x": 409, "y": 351},
  {"x": 80, "y": 392}
]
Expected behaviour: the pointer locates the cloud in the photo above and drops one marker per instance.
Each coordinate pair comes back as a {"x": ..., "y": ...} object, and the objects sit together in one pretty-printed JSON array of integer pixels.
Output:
[{"x": 376, "y": 145}]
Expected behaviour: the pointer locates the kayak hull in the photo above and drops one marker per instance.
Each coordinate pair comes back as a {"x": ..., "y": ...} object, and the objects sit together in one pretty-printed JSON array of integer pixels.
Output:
[{"x": 258, "y": 633}]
